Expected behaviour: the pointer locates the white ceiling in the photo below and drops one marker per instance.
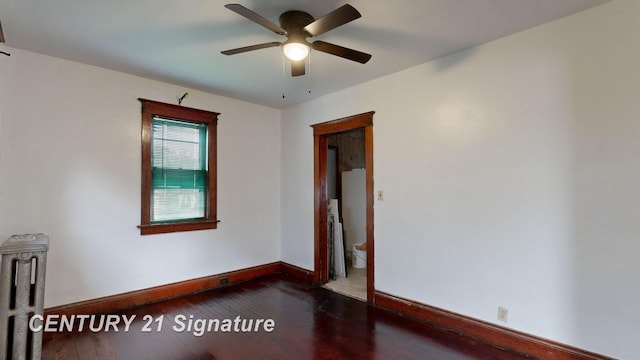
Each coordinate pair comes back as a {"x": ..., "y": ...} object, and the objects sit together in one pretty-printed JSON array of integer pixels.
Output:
[{"x": 180, "y": 41}]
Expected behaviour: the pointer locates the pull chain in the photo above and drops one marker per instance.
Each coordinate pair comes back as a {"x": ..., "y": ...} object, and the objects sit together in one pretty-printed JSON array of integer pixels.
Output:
[
  {"x": 283, "y": 75},
  {"x": 309, "y": 80}
]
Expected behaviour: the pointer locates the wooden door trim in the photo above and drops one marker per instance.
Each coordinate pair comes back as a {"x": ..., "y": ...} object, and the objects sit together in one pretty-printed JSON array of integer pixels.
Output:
[{"x": 320, "y": 133}]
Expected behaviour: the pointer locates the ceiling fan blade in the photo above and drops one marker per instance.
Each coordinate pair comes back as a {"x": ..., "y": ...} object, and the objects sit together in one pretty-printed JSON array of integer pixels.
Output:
[
  {"x": 332, "y": 20},
  {"x": 343, "y": 52},
  {"x": 250, "y": 48},
  {"x": 1, "y": 34},
  {"x": 297, "y": 68},
  {"x": 256, "y": 18}
]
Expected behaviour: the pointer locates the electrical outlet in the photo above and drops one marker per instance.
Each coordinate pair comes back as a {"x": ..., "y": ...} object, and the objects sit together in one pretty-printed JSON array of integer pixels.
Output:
[
  {"x": 503, "y": 314},
  {"x": 380, "y": 195}
]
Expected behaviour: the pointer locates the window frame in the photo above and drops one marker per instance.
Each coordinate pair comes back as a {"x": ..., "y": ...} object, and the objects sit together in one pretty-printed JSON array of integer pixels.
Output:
[{"x": 150, "y": 109}]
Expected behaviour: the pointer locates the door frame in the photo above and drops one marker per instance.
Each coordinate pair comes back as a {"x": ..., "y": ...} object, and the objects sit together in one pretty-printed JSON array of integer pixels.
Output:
[{"x": 320, "y": 144}]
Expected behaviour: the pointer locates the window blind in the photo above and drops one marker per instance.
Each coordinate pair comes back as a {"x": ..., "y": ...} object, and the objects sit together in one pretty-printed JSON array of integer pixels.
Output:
[{"x": 179, "y": 170}]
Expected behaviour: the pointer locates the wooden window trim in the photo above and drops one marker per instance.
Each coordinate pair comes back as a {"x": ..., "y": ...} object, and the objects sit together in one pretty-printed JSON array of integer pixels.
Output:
[{"x": 149, "y": 110}]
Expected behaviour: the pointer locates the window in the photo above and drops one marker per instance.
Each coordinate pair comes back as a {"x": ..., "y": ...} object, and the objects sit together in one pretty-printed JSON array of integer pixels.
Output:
[{"x": 178, "y": 168}]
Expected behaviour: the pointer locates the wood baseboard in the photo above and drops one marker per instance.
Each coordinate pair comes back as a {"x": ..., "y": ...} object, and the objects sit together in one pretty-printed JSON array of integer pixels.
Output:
[
  {"x": 110, "y": 304},
  {"x": 482, "y": 331},
  {"x": 298, "y": 273},
  {"x": 478, "y": 330}
]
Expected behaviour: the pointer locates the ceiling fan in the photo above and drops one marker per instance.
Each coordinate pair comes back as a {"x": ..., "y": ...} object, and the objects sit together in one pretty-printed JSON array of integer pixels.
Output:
[{"x": 297, "y": 26}]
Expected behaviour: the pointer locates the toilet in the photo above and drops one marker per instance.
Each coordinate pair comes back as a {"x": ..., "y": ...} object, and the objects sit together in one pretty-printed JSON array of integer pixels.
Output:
[{"x": 359, "y": 257}]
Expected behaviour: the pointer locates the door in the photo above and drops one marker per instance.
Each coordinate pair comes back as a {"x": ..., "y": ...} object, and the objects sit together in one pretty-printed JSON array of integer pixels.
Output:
[{"x": 320, "y": 133}]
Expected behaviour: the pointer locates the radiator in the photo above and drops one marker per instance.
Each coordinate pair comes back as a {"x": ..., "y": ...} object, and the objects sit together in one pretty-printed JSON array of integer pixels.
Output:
[{"x": 22, "y": 277}]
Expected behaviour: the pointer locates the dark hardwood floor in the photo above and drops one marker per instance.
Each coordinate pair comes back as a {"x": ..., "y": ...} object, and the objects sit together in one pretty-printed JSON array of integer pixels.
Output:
[{"x": 310, "y": 323}]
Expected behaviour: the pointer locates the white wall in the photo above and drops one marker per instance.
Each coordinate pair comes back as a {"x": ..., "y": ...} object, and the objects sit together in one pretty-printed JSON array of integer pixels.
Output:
[
  {"x": 70, "y": 168},
  {"x": 510, "y": 174}
]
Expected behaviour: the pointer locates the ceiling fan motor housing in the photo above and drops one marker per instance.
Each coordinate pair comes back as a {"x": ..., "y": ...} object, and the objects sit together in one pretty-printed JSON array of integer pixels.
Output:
[{"x": 294, "y": 22}]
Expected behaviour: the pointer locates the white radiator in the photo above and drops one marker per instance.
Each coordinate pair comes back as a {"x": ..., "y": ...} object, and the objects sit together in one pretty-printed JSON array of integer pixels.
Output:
[{"x": 22, "y": 277}]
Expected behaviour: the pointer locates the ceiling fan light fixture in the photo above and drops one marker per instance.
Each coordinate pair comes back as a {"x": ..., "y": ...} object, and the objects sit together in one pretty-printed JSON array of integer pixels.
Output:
[{"x": 295, "y": 51}]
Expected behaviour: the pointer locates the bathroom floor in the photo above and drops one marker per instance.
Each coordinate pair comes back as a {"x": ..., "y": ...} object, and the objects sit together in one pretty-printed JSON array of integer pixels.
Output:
[{"x": 354, "y": 285}]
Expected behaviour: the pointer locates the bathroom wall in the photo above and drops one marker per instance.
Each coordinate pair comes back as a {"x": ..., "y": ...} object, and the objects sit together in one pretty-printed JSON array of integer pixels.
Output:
[
  {"x": 354, "y": 207},
  {"x": 351, "y": 149}
]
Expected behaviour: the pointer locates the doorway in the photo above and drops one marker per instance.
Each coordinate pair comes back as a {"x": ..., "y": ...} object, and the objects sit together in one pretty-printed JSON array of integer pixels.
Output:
[{"x": 323, "y": 132}]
